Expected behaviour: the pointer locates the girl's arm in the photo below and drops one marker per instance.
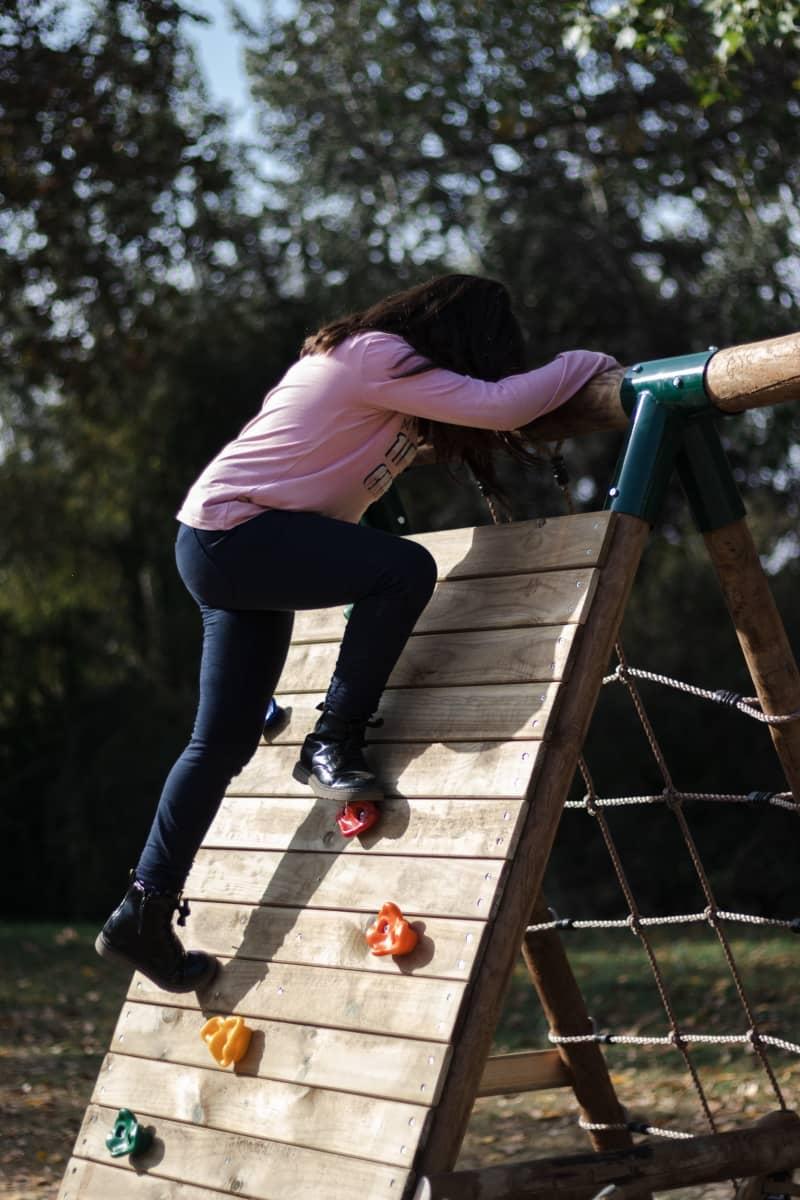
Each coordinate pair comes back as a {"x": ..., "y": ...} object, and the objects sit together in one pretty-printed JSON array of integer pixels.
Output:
[{"x": 440, "y": 395}]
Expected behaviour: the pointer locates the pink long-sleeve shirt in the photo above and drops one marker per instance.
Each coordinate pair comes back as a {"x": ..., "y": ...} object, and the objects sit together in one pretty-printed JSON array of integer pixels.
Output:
[{"x": 338, "y": 428}]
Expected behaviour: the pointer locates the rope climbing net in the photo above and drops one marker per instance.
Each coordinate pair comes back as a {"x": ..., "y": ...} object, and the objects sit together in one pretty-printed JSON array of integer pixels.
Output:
[{"x": 678, "y": 1037}]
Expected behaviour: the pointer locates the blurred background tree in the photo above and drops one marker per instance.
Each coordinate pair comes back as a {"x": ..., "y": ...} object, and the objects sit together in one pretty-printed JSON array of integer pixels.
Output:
[{"x": 628, "y": 169}]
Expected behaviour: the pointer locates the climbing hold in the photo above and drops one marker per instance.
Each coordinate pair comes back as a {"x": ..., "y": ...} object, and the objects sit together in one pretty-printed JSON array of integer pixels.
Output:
[
  {"x": 227, "y": 1039},
  {"x": 127, "y": 1136},
  {"x": 357, "y": 817},
  {"x": 391, "y": 933}
]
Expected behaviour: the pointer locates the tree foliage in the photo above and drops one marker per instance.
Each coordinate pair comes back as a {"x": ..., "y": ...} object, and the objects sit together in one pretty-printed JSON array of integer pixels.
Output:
[
  {"x": 135, "y": 291},
  {"x": 629, "y": 169}
]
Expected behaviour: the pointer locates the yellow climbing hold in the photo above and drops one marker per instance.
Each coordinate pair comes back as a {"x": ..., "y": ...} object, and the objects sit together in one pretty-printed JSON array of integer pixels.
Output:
[{"x": 227, "y": 1039}]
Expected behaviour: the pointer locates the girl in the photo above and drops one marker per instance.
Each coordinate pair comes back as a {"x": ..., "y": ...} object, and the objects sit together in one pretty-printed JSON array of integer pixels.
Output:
[{"x": 271, "y": 526}]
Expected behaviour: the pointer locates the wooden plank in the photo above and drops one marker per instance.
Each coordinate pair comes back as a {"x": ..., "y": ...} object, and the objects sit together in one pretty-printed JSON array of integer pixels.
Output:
[
  {"x": 496, "y": 602},
  {"x": 339, "y": 1060},
  {"x": 523, "y": 881},
  {"x": 525, "y": 1071},
  {"x": 446, "y": 948},
  {"x": 236, "y": 1165},
  {"x": 378, "y": 1130},
  {"x": 448, "y": 659},
  {"x": 471, "y": 769},
  {"x": 475, "y": 828},
  {"x": 85, "y": 1180},
  {"x": 553, "y": 544},
  {"x": 522, "y": 548},
  {"x": 399, "y": 1005},
  {"x": 497, "y": 712},
  {"x": 436, "y": 887},
  {"x": 767, "y": 1147}
]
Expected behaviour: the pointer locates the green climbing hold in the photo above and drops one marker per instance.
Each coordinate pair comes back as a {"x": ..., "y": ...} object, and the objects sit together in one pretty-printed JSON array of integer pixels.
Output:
[{"x": 128, "y": 1136}]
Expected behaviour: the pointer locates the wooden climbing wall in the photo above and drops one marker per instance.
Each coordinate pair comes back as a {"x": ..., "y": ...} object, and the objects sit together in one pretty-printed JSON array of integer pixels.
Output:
[{"x": 351, "y": 1053}]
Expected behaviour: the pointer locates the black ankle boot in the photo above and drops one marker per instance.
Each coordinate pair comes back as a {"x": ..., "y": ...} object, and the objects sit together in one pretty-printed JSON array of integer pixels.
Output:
[
  {"x": 332, "y": 764},
  {"x": 139, "y": 934}
]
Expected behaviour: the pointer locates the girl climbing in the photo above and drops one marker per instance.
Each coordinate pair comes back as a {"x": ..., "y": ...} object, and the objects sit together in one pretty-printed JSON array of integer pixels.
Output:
[{"x": 271, "y": 526}]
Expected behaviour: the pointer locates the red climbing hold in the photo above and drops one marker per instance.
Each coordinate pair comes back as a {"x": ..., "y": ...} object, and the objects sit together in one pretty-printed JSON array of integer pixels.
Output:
[
  {"x": 357, "y": 817},
  {"x": 391, "y": 933}
]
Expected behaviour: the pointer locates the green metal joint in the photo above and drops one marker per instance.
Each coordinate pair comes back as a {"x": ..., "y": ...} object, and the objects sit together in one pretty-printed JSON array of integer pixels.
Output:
[
  {"x": 648, "y": 459},
  {"x": 707, "y": 478},
  {"x": 677, "y": 382}
]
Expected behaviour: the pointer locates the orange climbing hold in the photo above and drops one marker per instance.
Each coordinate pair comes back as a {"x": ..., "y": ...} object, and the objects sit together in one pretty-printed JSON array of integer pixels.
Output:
[
  {"x": 391, "y": 933},
  {"x": 227, "y": 1039}
]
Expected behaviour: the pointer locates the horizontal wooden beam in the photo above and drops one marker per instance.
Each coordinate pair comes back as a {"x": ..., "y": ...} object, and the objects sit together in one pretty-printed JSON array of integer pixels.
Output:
[
  {"x": 753, "y": 375},
  {"x": 769, "y": 1146},
  {"x": 596, "y": 408},
  {"x": 526, "y": 1071}
]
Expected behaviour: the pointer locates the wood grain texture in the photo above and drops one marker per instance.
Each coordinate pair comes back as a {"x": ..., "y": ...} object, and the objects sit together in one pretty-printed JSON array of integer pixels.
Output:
[
  {"x": 448, "y": 659},
  {"x": 490, "y": 770},
  {"x": 762, "y": 636},
  {"x": 85, "y": 1180},
  {"x": 524, "y": 1071},
  {"x": 436, "y": 887},
  {"x": 525, "y": 547},
  {"x": 229, "y": 1164},
  {"x": 399, "y": 1005},
  {"x": 314, "y": 1118},
  {"x": 318, "y": 937},
  {"x": 567, "y": 1015},
  {"x": 458, "y": 714},
  {"x": 493, "y": 602},
  {"x": 556, "y": 543},
  {"x": 307, "y": 1055},
  {"x": 755, "y": 374},
  {"x": 596, "y": 408},
  {"x": 756, "y": 1150},
  {"x": 469, "y": 828}
]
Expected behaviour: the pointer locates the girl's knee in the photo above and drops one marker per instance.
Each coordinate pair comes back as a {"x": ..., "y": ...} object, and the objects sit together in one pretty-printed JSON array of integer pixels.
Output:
[{"x": 422, "y": 572}]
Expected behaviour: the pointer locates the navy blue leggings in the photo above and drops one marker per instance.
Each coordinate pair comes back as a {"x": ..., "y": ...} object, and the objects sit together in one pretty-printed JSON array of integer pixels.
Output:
[{"x": 248, "y": 582}]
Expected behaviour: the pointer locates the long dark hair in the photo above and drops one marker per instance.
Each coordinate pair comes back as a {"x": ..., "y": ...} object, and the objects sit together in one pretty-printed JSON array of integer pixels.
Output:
[{"x": 463, "y": 323}]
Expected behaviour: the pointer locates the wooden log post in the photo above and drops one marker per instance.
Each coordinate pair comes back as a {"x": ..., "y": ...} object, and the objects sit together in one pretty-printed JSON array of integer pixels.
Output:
[
  {"x": 753, "y": 375},
  {"x": 595, "y": 408},
  {"x": 765, "y": 1148},
  {"x": 762, "y": 637},
  {"x": 565, "y": 1009}
]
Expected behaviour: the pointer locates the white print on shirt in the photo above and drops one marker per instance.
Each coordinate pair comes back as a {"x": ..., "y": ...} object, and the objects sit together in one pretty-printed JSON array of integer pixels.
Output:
[
  {"x": 378, "y": 481},
  {"x": 401, "y": 448},
  {"x": 400, "y": 454}
]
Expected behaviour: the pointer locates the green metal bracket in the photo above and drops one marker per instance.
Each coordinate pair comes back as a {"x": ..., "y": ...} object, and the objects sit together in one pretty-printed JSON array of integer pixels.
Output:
[
  {"x": 675, "y": 382},
  {"x": 647, "y": 461},
  {"x": 673, "y": 426},
  {"x": 707, "y": 478}
]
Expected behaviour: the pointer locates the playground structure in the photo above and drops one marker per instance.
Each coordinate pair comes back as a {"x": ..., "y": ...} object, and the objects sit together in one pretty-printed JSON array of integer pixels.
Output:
[{"x": 362, "y": 1071}]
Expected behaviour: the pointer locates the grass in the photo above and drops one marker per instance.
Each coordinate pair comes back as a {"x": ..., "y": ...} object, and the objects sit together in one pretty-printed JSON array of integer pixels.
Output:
[{"x": 59, "y": 1003}]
